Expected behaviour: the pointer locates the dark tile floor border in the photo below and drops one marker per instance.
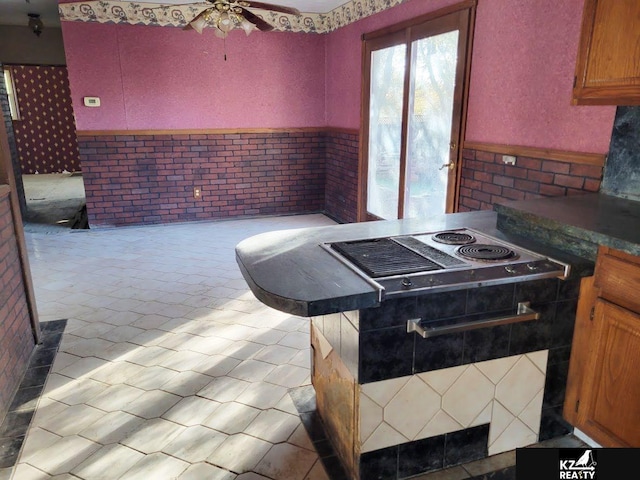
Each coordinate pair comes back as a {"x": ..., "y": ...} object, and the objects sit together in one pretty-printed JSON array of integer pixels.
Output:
[
  {"x": 23, "y": 406},
  {"x": 497, "y": 467}
]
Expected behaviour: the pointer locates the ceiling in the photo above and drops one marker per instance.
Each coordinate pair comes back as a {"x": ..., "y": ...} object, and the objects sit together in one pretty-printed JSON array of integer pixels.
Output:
[{"x": 14, "y": 12}]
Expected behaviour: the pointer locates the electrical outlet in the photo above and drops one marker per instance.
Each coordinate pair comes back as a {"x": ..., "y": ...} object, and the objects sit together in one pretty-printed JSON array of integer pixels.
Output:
[
  {"x": 197, "y": 193},
  {"x": 509, "y": 159}
]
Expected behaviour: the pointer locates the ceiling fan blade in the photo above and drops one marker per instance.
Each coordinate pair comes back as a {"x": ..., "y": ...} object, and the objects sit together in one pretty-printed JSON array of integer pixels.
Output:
[
  {"x": 275, "y": 8},
  {"x": 257, "y": 21}
]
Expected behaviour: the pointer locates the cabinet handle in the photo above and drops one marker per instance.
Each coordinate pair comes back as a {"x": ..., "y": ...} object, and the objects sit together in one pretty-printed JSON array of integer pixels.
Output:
[{"x": 523, "y": 314}]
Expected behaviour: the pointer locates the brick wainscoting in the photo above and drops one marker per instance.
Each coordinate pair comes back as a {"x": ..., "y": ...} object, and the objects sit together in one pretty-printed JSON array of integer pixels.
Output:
[
  {"x": 150, "y": 178},
  {"x": 487, "y": 180},
  {"x": 16, "y": 337},
  {"x": 341, "y": 190}
]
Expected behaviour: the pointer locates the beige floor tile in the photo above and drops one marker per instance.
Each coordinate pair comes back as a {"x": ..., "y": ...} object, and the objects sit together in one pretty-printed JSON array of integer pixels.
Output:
[
  {"x": 289, "y": 376},
  {"x": 63, "y": 455},
  {"x": 191, "y": 411},
  {"x": 116, "y": 397},
  {"x": 150, "y": 322},
  {"x": 86, "y": 347},
  {"x": 151, "y": 378},
  {"x": 251, "y": 476},
  {"x": 262, "y": 395},
  {"x": 231, "y": 417},
  {"x": 276, "y": 354},
  {"x": 156, "y": 466},
  {"x": 151, "y": 404},
  {"x": 300, "y": 438},
  {"x": 297, "y": 340},
  {"x": 36, "y": 441},
  {"x": 114, "y": 373},
  {"x": 317, "y": 472},
  {"x": 112, "y": 427},
  {"x": 153, "y": 435},
  {"x": 72, "y": 420},
  {"x": 201, "y": 471},
  {"x": 83, "y": 367},
  {"x": 187, "y": 383},
  {"x": 252, "y": 371},
  {"x": 25, "y": 471},
  {"x": 110, "y": 462},
  {"x": 195, "y": 444},
  {"x": 286, "y": 461},
  {"x": 149, "y": 356},
  {"x": 74, "y": 392},
  {"x": 273, "y": 426},
  {"x": 224, "y": 389},
  {"x": 239, "y": 453}
]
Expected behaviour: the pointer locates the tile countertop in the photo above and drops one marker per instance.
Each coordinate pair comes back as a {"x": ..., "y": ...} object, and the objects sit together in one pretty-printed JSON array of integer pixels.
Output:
[
  {"x": 289, "y": 270},
  {"x": 577, "y": 224}
]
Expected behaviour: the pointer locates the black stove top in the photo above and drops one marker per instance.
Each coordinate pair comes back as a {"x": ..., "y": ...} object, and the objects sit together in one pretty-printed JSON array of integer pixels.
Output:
[{"x": 442, "y": 260}]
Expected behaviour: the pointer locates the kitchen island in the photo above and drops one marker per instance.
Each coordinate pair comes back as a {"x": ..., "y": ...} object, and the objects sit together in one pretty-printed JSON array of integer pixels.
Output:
[{"x": 395, "y": 404}]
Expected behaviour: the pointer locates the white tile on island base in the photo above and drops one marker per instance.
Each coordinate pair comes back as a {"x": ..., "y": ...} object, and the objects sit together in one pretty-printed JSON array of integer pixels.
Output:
[
  {"x": 383, "y": 436},
  {"x": 370, "y": 417},
  {"x": 440, "y": 424},
  {"x": 516, "y": 435}
]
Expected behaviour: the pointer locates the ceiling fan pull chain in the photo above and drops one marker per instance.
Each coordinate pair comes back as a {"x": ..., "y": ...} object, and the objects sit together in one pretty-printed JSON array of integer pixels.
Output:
[{"x": 224, "y": 46}]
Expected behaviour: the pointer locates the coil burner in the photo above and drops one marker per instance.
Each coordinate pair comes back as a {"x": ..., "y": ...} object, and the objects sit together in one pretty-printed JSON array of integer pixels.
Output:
[
  {"x": 454, "y": 238},
  {"x": 486, "y": 253}
]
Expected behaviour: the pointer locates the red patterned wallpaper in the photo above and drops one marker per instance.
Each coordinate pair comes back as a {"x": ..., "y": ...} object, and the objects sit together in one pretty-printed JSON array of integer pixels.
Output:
[{"x": 46, "y": 133}]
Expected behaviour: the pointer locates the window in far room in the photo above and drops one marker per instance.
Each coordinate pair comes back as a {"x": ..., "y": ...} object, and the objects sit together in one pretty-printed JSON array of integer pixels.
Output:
[{"x": 13, "y": 101}]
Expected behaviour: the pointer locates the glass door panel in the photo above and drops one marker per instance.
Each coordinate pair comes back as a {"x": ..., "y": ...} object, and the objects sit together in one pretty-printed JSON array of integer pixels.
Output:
[
  {"x": 431, "y": 102},
  {"x": 385, "y": 131}
]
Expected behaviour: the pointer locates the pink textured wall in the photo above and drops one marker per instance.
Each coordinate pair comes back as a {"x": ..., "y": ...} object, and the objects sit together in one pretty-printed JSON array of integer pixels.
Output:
[
  {"x": 166, "y": 78},
  {"x": 344, "y": 59},
  {"x": 522, "y": 72},
  {"x": 524, "y": 60}
]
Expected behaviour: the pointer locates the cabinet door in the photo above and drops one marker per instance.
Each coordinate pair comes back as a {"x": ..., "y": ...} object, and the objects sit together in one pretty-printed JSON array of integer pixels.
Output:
[
  {"x": 611, "y": 393},
  {"x": 608, "y": 69}
]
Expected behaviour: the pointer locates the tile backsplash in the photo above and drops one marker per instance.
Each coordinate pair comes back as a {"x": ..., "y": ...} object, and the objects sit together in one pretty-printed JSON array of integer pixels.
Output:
[{"x": 622, "y": 169}]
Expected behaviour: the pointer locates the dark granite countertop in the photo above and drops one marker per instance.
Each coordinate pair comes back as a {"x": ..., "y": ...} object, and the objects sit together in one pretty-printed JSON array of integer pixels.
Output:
[
  {"x": 578, "y": 224},
  {"x": 289, "y": 270}
]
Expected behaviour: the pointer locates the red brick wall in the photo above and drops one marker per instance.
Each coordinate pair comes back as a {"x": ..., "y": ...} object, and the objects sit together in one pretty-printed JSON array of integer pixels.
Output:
[
  {"x": 486, "y": 180},
  {"x": 341, "y": 190},
  {"x": 16, "y": 337},
  {"x": 148, "y": 179}
]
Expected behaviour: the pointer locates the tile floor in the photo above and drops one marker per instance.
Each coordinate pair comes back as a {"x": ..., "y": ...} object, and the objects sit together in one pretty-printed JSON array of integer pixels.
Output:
[{"x": 168, "y": 367}]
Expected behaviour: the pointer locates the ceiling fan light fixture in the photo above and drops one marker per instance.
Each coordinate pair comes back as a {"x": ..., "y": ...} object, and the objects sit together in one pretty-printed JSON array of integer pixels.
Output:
[
  {"x": 225, "y": 23},
  {"x": 247, "y": 26},
  {"x": 199, "y": 23},
  {"x": 35, "y": 24}
]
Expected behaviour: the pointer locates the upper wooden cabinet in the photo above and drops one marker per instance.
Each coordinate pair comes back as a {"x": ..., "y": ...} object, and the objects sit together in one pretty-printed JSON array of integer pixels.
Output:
[{"x": 608, "y": 65}]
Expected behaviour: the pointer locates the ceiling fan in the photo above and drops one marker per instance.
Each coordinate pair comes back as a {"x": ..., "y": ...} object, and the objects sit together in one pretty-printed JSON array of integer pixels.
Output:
[{"x": 225, "y": 15}]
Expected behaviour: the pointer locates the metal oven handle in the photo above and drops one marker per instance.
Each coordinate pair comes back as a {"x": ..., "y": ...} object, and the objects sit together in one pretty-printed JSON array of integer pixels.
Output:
[{"x": 524, "y": 313}]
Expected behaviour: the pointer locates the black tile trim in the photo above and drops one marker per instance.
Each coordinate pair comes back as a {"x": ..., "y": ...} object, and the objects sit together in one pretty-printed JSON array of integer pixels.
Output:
[{"x": 23, "y": 406}]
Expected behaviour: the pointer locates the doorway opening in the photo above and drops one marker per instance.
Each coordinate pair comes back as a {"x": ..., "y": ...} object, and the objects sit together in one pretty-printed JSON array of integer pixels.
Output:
[
  {"x": 415, "y": 80},
  {"x": 47, "y": 159},
  {"x": 55, "y": 199}
]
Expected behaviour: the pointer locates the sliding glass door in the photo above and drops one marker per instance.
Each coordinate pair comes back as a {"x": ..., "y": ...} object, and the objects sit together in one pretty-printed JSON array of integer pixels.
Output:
[{"x": 414, "y": 81}]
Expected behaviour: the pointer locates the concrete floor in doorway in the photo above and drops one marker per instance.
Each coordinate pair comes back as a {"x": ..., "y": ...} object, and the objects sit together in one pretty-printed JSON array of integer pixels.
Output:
[{"x": 53, "y": 199}]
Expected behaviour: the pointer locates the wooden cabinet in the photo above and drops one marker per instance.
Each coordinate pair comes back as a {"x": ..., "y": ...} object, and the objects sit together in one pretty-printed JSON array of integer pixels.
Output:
[
  {"x": 608, "y": 65},
  {"x": 603, "y": 388}
]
